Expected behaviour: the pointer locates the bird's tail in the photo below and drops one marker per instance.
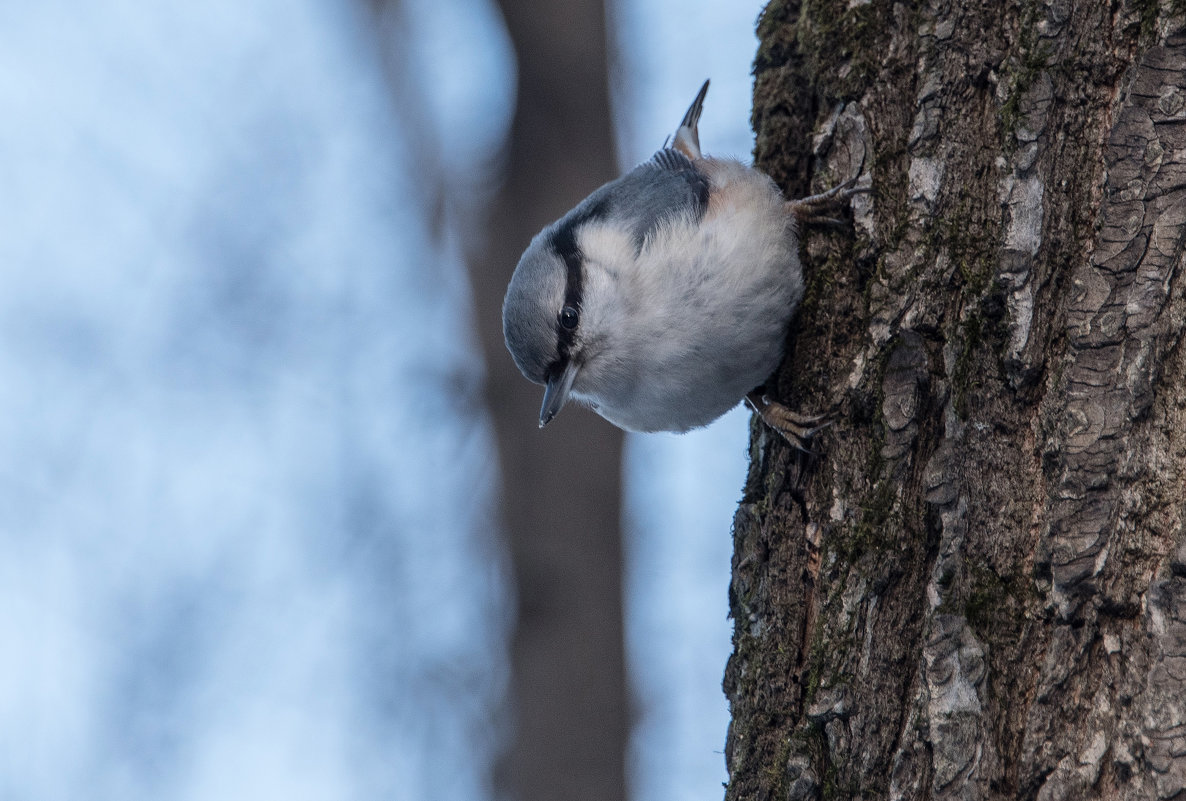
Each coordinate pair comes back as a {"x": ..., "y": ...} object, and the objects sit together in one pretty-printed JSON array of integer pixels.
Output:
[{"x": 687, "y": 139}]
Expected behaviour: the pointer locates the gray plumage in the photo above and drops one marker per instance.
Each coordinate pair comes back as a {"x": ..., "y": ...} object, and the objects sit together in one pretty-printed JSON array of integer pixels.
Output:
[
  {"x": 663, "y": 188},
  {"x": 664, "y": 297}
]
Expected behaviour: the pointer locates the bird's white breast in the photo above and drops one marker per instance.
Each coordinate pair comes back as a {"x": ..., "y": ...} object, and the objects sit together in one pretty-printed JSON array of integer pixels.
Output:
[{"x": 702, "y": 311}]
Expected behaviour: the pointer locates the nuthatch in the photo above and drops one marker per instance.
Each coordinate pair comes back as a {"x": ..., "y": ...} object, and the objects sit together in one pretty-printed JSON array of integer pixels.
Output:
[{"x": 664, "y": 298}]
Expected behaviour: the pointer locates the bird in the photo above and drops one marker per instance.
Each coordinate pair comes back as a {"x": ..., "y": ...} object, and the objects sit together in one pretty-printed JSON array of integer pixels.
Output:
[{"x": 664, "y": 298}]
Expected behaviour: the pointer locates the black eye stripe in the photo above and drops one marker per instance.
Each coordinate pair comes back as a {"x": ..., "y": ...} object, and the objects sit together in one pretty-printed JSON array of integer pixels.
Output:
[{"x": 564, "y": 243}]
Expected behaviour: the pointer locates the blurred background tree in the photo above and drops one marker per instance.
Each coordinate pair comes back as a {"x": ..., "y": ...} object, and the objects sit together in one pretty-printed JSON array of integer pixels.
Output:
[{"x": 562, "y": 491}]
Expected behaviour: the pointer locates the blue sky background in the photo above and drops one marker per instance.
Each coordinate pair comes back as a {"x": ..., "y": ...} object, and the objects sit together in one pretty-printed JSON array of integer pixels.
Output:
[{"x": 244, "y": 541}]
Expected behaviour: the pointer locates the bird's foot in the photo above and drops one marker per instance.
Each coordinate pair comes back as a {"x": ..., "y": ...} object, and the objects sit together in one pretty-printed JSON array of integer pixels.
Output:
[
  {"x": 795, "y": 428},
  {"x": 817, "y": 209}
]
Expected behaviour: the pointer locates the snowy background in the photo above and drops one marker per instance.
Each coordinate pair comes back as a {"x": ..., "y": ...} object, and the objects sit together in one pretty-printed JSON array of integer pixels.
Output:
[{"x": 244, "y": 504}]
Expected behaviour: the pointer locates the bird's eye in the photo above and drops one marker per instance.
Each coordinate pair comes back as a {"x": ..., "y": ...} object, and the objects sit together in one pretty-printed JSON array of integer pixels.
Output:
[{"x": 569, "y": 317}]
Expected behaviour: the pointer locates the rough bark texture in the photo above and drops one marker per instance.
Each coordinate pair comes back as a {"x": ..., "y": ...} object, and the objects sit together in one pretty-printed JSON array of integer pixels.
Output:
[
  {"x": 561, "y": 488},
  {"x": 978, "y": 590}
]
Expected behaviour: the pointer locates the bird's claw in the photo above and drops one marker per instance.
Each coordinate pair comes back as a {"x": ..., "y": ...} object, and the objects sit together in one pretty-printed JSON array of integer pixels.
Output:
[
  {"x": 814, "y": 210},
  {"x": 797, "y": 429}
]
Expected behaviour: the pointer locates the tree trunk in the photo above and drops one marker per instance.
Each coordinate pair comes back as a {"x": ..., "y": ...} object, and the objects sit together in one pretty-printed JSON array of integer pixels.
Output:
[
  {"x": 978, "y": 588},
  {"x": 561, "y": 488}
]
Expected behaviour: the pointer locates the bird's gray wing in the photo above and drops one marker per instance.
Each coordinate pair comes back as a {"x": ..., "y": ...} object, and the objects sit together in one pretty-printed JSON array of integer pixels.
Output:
[{"x": 666, "y": 186}]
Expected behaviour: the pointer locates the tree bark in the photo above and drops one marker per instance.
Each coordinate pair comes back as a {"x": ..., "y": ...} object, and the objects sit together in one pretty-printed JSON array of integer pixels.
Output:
[{"x": 978, "y": 588}]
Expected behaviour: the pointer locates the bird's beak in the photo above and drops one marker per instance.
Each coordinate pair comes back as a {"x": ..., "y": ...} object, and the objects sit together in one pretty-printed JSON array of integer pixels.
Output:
[{"x": 556, "y": 394}]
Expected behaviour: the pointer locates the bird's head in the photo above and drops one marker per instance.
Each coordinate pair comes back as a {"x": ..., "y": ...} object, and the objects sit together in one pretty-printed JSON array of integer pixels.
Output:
[{"x": 564, "y": 305}]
